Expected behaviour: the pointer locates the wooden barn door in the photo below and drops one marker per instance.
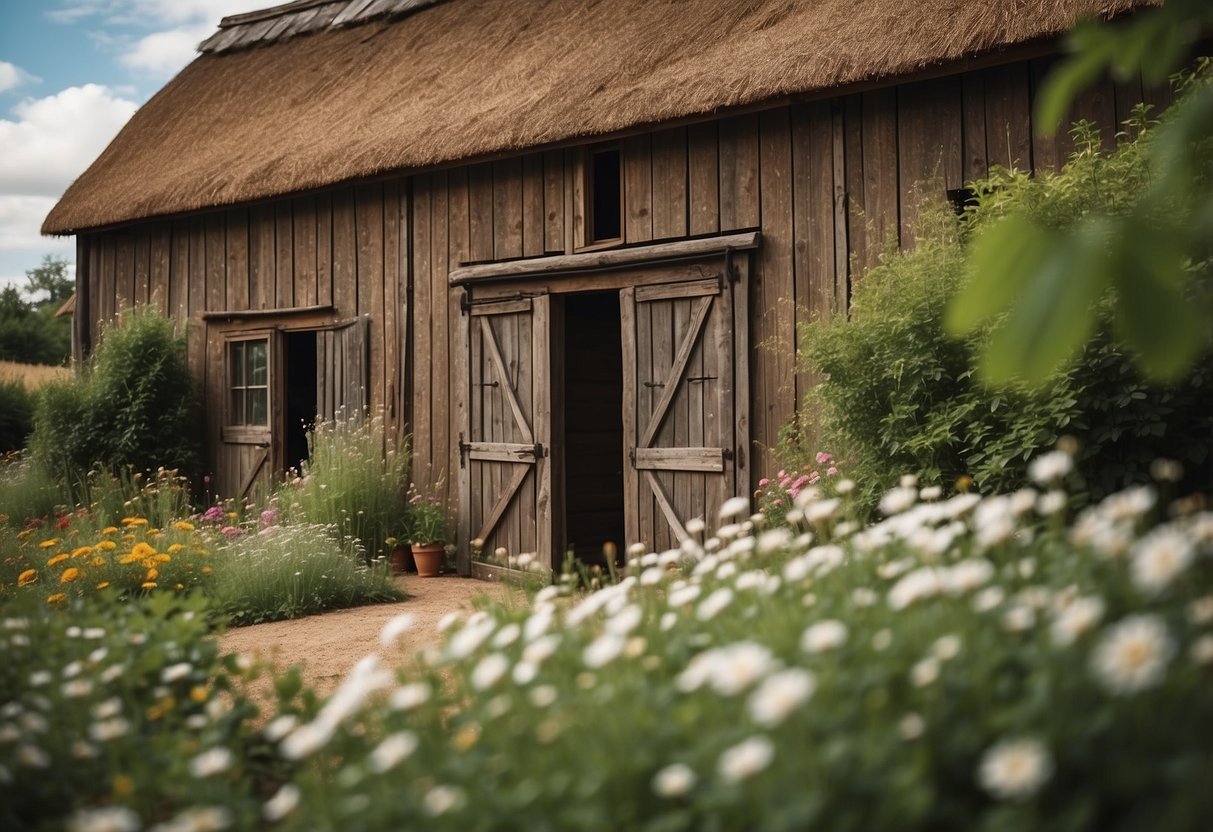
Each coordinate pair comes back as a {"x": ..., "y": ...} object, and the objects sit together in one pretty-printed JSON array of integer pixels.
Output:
[
  {"x": 505, "y": 480},
  {"x": 343, "y": 371},
  {"x": 680, "y": 407}
]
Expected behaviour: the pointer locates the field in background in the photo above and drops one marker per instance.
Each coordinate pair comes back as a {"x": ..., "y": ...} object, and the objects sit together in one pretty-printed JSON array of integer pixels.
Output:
[{"x": 33, "y": 375}]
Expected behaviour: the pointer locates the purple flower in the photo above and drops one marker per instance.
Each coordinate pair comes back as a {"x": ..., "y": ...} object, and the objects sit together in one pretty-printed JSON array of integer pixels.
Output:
[
  {"x": 269, "y": 517},
  {"x": 231, "y": 531},
  {"x": 214, "y": 514}
]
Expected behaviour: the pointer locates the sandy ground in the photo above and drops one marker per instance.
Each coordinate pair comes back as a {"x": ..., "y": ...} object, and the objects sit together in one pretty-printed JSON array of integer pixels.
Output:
[{"x": 328, "y": 645}]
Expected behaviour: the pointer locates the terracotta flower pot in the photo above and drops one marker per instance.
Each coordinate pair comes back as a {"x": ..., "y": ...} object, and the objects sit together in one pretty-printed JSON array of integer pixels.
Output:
[
  {"x": 402, "y": 559},
  {"x": 429, "y": 559}
]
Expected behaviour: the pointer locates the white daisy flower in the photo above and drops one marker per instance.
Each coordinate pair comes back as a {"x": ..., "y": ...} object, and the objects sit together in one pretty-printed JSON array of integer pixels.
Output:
[
  {"x": 925, "y": 672},
  {"x": 911, "y": 726},
  {"x": 897, "y": 500},
  {"x": 823, "y": 636},
  {"x": 735, "y": 507},
  {"x": 441, "y": 799},
  {"x": 543, "y": 696},
  {"x": 1133, "y": 654},
  {"x": 1201, "y": 651},
  {"x": 1076, "y": 619},
  {"x": 779, "y": 695},
  {"x": 746, "y": 759},
  {"x": 105, "y": 819},
  {"x": 603, "y": 650},
  {"x": 673, "y": 781},
  {"x": 395, "y": 628},
  {"x": 719, "y": 599},
  {"x": 1159, "y": 558},
  {"x": 1015, "y": 769},
  {"x": 175, "y": 672},
  {"x": 279, "y": 727},
  {"x": 284, "y": 801},
  {"x": 1200, "y": 611},
  {"x": 211, "y": 762},
  {"x": 1047, "y": 469},
  {"x": 489, "y": 670},
  {"x": 394, "y": 748}
]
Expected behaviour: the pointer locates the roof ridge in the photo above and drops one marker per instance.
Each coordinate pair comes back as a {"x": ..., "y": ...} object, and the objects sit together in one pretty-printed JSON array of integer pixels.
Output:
[
  {"x": 272, "y": 11},
  {"x": 301, "y": 17}
]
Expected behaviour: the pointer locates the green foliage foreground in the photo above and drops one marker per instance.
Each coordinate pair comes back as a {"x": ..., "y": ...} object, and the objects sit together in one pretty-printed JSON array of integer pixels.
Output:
[{"x": 965, "y": 664}]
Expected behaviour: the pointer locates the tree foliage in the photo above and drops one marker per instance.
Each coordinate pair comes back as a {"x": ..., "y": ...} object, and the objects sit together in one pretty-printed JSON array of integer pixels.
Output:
[
  {"x": 29, "y": 331},
  {"x": 1042, "y": 283}
]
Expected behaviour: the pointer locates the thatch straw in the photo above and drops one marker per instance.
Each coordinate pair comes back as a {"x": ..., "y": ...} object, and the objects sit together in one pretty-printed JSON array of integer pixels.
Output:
[{"x": 473, "y": 77}]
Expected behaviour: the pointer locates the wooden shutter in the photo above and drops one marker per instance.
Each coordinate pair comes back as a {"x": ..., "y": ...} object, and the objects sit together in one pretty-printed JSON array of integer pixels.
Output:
[
  {"x": 681, "y": 406},
  {"x": 505, "y": 481},
  {"x": 343, "y": 370}
]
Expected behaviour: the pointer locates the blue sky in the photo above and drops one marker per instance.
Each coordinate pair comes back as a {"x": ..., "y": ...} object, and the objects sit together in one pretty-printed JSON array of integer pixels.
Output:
[{"x": 72, "y": 72}]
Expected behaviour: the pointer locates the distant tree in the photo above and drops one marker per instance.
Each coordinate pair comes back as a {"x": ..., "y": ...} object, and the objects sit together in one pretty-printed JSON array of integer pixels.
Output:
[{"x": 29, "y": 331}]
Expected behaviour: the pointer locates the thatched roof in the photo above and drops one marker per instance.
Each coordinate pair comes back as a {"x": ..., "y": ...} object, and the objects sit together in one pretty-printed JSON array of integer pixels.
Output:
[{"x": 467, "y": 78}]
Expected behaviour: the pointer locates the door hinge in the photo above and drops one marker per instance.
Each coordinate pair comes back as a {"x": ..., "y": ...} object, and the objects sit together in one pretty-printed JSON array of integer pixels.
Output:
[
  {"x": 463, "y": 452},
  {"x": 727, "y": 453},
  {"x": 632, "y": 456},
  {"x": 536, "y": 450},
  {"x": 465, "y": 301},
  {"x": 740, "y": 458}
]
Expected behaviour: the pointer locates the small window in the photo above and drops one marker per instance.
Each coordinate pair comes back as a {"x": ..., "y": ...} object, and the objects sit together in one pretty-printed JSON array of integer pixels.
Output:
[
  {"x": 603, "y": 195},
  {"x": 249, "y": 382}
]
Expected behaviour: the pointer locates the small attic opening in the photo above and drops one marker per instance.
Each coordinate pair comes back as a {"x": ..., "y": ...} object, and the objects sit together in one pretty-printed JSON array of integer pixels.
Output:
[{"x": 603, "y": 194}]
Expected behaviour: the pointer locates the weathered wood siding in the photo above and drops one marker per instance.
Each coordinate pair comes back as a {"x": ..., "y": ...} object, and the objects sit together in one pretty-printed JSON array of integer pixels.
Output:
[{"x": 830, "y": 182}]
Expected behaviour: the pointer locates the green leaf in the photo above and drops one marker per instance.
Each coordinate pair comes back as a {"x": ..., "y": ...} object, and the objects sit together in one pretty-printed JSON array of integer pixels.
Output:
[
  {"x": 1154, "y": 317},
  {"x": 1094, "y": 50},
  {"x": 1000, "y": 263},
  {"x": 1056, "y": 313}
]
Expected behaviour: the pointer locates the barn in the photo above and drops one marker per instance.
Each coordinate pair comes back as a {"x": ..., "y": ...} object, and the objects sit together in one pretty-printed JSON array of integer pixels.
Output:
[{"x": 563, "y": 245}]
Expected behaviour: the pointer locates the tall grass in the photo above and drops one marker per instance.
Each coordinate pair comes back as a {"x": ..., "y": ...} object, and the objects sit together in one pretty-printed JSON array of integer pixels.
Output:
[
  {"x": 32, "y": 376},
  {"x": 27, "y": 492},
  {"x": 354, "y": 481},
  {"x": 292, "y": 571}
]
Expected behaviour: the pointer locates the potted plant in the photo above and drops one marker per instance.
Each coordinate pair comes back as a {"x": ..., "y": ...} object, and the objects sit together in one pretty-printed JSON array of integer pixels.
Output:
[
  {"x": 428, "y": 524},
  {"x": 401, "y": 555}
]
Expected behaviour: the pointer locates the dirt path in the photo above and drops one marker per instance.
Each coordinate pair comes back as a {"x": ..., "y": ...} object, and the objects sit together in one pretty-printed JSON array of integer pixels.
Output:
[{"x": 328, "y": 645}]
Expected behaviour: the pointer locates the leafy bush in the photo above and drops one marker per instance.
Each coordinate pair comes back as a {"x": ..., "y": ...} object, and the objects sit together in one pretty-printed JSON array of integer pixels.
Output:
[
  {"x": 134, "y": 406},
  {"x": 355, "y": 482},
  {"x": 16, "y": 415},
  {"x": 293, "y": 571},
  {"x": 26, "y": 492},
  {"x": 899, "y": 394}
]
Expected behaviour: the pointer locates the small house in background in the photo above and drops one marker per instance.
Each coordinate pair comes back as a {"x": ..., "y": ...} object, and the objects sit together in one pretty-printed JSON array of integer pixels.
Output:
[{"x": 551, "y": 241}]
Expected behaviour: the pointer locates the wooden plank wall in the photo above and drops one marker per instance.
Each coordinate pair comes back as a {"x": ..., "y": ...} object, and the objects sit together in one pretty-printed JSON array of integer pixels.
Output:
[
  {"x": 831, "y": 183},
  {"x": 345, "y": 247}
]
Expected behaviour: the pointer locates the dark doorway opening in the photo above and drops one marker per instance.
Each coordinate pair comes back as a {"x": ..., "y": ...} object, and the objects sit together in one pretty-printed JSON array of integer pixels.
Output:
[
  {"x": 300, "y": 411},
  {"x": 593, "y": 427}
]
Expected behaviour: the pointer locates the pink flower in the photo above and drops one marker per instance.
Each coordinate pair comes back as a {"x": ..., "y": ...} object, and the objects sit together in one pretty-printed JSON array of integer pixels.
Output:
[
  {"x": 831, "y": 471},
  {"x": 802, "y": 479},
  {"x": 778, "y": 502},
  {"x": 230, "y": 531},
  {"x": 813, "y": 478},
  {"x": 781, "y": 473},
  {"x": 823, "y": 458},
  {"x": 213, "y": 514},
  {"x": 764, "y": 482},
  {"x": 269, "y": 517}
]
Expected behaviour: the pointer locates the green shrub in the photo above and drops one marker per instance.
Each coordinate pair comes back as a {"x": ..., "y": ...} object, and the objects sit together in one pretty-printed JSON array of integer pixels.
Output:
[
  {"x": 292, "y": 571},
  {"x": 27, "y": 492},
  {"x": 16, "y": 415},
  {"x": 901, "y": 395},
  {"x": 134, "y": 406},
  {"x": 355, "y": 482}
]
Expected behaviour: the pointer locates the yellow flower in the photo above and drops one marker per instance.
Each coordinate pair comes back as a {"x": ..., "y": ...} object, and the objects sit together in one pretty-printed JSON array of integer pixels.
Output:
[
  {"x": 110, "y": 530},
  {"x": 134, "y": 521},
  {"x": 175, "y": 548},
  {"x": 233, "y": 515},
  {"x": 57, "y": 559},
  {"x": 106, "y": 545},
  {"x": 82, "y": 551},
  {"x": 206, "y": 570},
  {"x": 70, "y": 574},
  {"x": 97, "y": 561},
  {"x": 129, "y": 558},
  {"x": 103, "y": 585},
  {"x": 143, "y": 550},
  {"x": 27, "y": 577},
  {"x": 183, "y": 526},
  {"x": 161, "y": 558},
  {"x": 124, "y": 786},
  {"x": 46, "y": 544},
  {"x": 57, "y": 598},
  {"x": 153, "y": 574},
  {"x": 466, "y": 737},
  {"x": 198, "y": 694},
  {"x": 148, "y": 585}
]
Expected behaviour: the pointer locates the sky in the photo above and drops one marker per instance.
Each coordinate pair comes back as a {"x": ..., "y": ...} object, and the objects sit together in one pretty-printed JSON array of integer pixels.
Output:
[{"x": 72, "y": 72}]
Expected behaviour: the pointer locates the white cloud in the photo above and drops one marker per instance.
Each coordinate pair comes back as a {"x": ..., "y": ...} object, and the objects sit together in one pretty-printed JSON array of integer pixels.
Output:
[
  {"x": 55, "y": 138},
  {"x": 20, "y": 219},
  {"x": 163, "y": 54},
  {"x": 13, "y": 76}
]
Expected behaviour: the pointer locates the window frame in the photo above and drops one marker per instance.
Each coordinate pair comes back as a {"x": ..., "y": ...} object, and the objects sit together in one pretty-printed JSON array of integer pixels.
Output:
[
  {"x": 237, "y": 432},
  {"x": 588, "y": 187}
]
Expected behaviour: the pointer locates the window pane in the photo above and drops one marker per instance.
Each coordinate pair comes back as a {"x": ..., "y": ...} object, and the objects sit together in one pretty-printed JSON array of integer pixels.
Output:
[
  {"x": 257, "y": 362},
  {"x": 258, "y": 408},
  {"x": 237, "y": 411},
  {"x": 237, "y": 364}
]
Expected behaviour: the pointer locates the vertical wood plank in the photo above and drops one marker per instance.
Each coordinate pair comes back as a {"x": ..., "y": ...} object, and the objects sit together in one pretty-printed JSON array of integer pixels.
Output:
[
  {"x": 842, "y": 245},
  {"x": 284, "y": 258},
  {"x": 107, "y": 286},
  {"x": 124, "y": 269},
  {"x": 627, "y": 327},
  {"x": 196, "y": 345},
  {"x": 1008, "y": 116},
  {"x": 324, "y": 248},
  {"x": 160, "y": 261},
  {"x": 237, "y": 296},
  {"x": 1128, "y": 94},
  {"x": 423, "y": 381},
  {"x": 637, "y": 161},
  {"x": 669, "y": 149},
  {"x": 1048, "y": 152},
  {"x": 929, "y": 145},
  {"x": 813, "y": 217},
  {"x": 703, "y": 164},
  {"x": 533, "y": 217},
  {"x": 440, "y": 356},
  {"x": 739, "y": 206},
  {"x": 305, "y": 253},
  {"x": 776, "y": 322},
  {"x": 480, "y": 212},
  {"x": 507, "y": 209},
  {"x": 880, "y": 201},
  {"x": 143, "y": 264},
  {"x": 457, "y": 339},
  {"x": 553, "y": 202},
  {"x": 851, "y": 246},
  {"x": 541, "y": 325},
  {"x": 391, "y": 300},
  {"x": 179, "y": 266},
  {"x": 368, "y": 220},
  {"x": 345, "y": 254},
  {"x": 974, "y": 163},
  {"x": 216, "y": 262},
  {"x": 262, "y": 254},
  {"x": 576, "y": 212}
]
